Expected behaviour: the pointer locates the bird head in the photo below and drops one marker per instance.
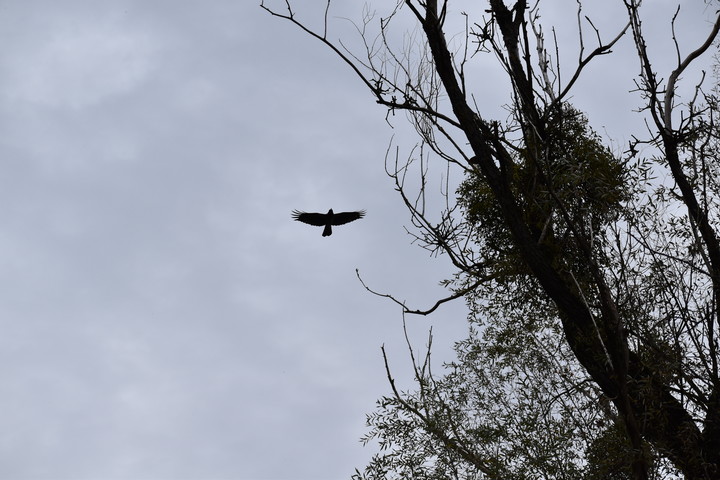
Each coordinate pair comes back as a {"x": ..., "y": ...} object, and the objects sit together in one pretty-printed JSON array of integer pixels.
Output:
[{"x": 330, "y": 212}]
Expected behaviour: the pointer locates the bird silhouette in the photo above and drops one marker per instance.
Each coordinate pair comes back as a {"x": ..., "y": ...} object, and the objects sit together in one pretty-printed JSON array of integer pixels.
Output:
[{"x": 328, "y": 219}]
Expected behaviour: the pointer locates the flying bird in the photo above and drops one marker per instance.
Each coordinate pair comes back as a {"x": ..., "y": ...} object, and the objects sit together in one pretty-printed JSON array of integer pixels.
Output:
[{"x": 328, "y": 219}]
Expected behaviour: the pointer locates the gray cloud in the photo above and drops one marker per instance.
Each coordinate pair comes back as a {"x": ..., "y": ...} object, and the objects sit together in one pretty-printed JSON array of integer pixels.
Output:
[{"x": 161, "y": 315}]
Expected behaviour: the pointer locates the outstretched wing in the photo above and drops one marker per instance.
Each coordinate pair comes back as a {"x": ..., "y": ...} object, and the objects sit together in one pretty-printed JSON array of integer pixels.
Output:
[
  {"x": 346, "y": 217},
  {"x": 317, "y": 219}
]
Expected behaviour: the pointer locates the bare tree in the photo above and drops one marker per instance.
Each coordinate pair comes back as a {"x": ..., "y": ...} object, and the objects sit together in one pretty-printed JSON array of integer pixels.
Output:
[{"x": 627, "y": 268}]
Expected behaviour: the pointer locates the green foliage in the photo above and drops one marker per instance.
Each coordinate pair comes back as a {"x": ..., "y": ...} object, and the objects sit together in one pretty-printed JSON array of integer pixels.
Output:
[
  {"x": 516, "y": 404},
  {"x": 609, "y": 456},
  {"x": 568, "y": 184},
  {"x": 511, "y": 406}
]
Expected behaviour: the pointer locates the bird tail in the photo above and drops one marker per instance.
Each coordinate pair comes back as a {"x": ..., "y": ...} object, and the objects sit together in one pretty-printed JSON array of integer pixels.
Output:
[{"x": 328, "y": 231}]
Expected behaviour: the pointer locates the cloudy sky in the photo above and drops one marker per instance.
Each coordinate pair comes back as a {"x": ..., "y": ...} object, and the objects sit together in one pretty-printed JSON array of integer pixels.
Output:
[{"x": 161, "y": 317}]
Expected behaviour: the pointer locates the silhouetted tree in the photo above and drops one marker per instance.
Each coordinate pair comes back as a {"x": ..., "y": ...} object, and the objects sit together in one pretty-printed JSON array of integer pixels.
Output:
[{"x": 593, "y": 277}]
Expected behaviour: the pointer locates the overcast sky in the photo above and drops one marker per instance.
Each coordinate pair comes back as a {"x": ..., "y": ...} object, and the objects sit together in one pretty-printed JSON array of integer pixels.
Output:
[{"x": 161, "y": 316}]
